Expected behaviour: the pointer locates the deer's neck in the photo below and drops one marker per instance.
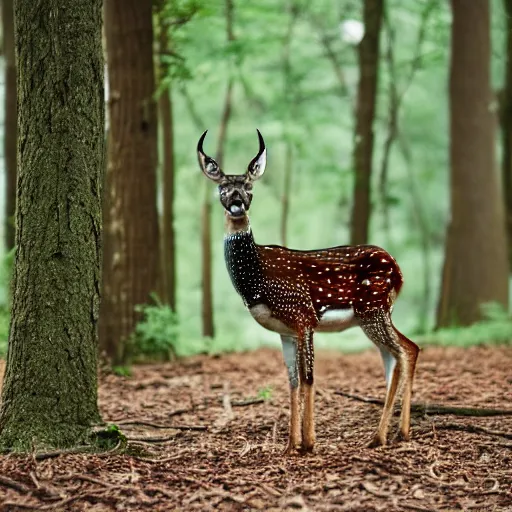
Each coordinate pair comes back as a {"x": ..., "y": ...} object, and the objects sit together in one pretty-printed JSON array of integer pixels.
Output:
[
  {"x": 238, "y": 225},
  {"x": 244, "y": 266}
]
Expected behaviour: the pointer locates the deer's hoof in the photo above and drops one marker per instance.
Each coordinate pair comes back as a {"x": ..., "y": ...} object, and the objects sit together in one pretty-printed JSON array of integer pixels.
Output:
[
  {"x": 291, "y": 448},
  {"x": 403, "y": 436},
  {"x": 377, "y": 441},
  {"x": 304, "y": 448}
]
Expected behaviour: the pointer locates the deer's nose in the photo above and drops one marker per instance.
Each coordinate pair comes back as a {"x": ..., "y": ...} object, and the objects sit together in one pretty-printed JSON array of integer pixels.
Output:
[{"x": 237, "y": 208}]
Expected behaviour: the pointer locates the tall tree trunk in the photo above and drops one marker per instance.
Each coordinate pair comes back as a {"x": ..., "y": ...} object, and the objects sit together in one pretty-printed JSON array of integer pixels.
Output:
[
  {"x": 365, "y": 114},
  {"x": 285, "y": 197},
  {"x": 290, "y": 102},
  {"x": 10, "y": 123},
  {"x": 168, "y": 233},
  {"x": 132, "y": 257},
  {"x": 506, "y": 126},
  {"x": 50, "y": 387},
  {"x": 208, "y": 326},
  {"x": 475, "y": 268},
  {"x": 206, "y": 236}
]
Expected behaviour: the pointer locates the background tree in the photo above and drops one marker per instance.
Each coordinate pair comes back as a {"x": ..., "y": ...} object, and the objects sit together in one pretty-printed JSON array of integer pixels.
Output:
[
  {"x": 132, "y": 255},
  {"x": 475, "y": 267},
  {"x": 206, "y": 238},
  {"x": 50, "y": 387},
  {"x": 506, "y": 126},
  {"x": 365, "y": 113},
  {"x": 165, "y": 113},
  {"x": 10, "y": 122}
]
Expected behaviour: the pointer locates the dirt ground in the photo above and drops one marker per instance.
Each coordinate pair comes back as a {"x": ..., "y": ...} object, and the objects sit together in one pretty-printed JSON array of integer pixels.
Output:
[{"x": 210, "y": 433}]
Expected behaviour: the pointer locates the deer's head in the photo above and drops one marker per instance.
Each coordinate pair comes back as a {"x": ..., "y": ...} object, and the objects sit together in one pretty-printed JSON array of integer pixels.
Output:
[{"x": 235, "y": 190}]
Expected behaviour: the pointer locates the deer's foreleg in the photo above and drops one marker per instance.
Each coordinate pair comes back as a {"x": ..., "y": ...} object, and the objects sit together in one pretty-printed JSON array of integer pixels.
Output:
[
  {"x": 306, "y": 369},
  {"x": 290, "y": 359}
]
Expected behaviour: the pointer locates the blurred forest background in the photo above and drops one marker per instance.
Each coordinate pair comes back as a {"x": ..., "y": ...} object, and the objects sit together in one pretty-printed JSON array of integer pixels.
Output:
[{"x": 300, "y": 73}]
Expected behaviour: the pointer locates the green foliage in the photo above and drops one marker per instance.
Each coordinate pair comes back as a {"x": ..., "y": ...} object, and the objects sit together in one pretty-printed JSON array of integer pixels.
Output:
[
  {"x": 109, "y": 437},
  {"x": 266, "y": 393},
  {"x": 156, "y": 335},
  {"x": 122, "y": 371},
  {"x": 496, "y": 327}
]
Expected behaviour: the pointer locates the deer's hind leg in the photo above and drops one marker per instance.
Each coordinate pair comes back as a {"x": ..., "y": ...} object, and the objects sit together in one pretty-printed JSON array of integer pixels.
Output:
[
  {"x": 412, "y": 350},
  {"x": 307, "y": 386},
  {"x": 292, "y": 365},
  {"x": 377, "y": 325}
]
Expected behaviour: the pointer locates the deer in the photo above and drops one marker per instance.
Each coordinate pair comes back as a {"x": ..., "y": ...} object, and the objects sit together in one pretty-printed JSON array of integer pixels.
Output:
[{"x": 297, "y": 293}]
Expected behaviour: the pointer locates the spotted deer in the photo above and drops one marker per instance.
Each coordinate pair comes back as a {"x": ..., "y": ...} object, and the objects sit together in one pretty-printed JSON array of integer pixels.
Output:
[{"x": 296, "y": 293}]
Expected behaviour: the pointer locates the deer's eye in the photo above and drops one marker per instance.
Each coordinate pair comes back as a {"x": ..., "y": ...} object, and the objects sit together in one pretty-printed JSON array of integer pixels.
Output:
[{"x": 248, "y": 187}]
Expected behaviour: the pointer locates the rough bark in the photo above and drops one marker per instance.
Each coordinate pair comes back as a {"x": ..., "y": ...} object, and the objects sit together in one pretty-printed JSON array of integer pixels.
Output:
[
  {"x": 365, "y": 113},
  {"x": 132, "y": 257},
  {"x": 168, "y": 233},
  {"x": 50, "y": 386},
  {"x": 506, "y": 129},
  {"x": 475, "y": 268},
  {"x": 10, "y": 123}
]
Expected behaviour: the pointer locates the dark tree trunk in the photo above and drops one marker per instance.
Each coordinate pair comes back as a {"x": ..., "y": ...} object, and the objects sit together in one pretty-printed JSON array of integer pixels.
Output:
[
  {"x": 168, "y": 233},
  {"x": 475, "y": 269},
  {"x": 10, "y": 123},
  {"x": 506, "y": 125},
  {"x": 50, "y": 387},
  {"x": 132, "y": 257},
  {"x": 365, "y": 114}
]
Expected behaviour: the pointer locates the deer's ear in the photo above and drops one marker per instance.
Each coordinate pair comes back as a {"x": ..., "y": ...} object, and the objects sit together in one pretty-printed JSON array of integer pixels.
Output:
[
  {"x": 258, "y": 163},
  {"x": 208, "y": 165}
]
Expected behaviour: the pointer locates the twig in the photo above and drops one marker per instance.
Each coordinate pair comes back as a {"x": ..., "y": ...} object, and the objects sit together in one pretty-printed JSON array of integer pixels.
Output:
[
  {"x": 248, "y": 401},
  {"x": 39, "y": 490},
  {"x": 16, "y": 505},
  {"x": 14, "y": 484},
  {"x": 473, "y": 429},
  {"x": 151, "y": 439},
  {"x": 157, "y": 425},
  {"x": 57, "y": 453},
  {"x": 425, "y": 409},
  {"x": 86, "y": 478},
  {"x": 57, "y": 505}
]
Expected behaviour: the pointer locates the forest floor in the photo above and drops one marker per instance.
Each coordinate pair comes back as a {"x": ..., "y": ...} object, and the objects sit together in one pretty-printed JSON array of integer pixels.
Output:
[{"x": 207, "y": 434}]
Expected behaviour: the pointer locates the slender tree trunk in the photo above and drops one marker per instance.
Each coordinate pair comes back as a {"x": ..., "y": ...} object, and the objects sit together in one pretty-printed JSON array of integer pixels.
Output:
[
  {"x": 206, "y": 268},
  {"x": 168, "y": 233},
  {"x": 289, "y": 101},
  {"x": 206, "y": 236},
  {"x": 132, "y": 256},
  {"x": 285, "y": 198},
  {"x": 50, "y": 387},
  {"x": 506, "y": 125},
  {"x": 10, "y": 123},
  {"x": 365, "y": 114},
  {"x": 475, "y": 269}
]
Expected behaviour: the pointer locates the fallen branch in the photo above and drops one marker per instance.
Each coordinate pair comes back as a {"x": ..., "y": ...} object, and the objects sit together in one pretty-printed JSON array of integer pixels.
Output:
[
  {"x": 57, "y": 453},
  {"x": 159, "y": 425},
  {"x": 473, "y": 429},
  {"x": 424, "y": 409},
  {"x": 248, "y": 401},
  {"x": 14, "y": 484}
]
